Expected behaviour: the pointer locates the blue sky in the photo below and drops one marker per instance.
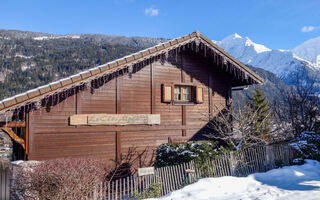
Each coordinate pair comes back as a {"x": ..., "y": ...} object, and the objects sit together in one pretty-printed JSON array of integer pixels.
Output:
[{"x": 275, "y": 23}]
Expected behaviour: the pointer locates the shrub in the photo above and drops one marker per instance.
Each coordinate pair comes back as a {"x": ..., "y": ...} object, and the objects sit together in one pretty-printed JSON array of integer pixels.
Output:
[
  {"x": 278, "y": 163},
  {"x": 154, "y": 191},
  {"x": 65, "y": 178},
  {"x": 308, "y": 145},
  {"x": 298, "y": 161},
  {"x": 174, "y": 154}
]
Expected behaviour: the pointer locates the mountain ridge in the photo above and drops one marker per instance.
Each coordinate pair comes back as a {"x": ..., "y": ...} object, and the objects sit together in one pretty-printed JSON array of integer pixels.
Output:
[
  {"x": 309, "y": 50},
  {"x": 142, "y": 42},
  {"x": 283, "y": 63}
]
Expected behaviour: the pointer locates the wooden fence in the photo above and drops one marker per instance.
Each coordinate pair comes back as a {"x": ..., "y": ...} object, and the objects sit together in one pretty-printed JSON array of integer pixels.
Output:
[
  {"x": 170, "y": 178},
  {"x": 5, "y": 177}
]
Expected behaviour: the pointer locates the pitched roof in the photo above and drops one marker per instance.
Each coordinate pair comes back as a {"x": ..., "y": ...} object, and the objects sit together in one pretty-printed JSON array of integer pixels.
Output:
[{"x": 78, "y": 79}]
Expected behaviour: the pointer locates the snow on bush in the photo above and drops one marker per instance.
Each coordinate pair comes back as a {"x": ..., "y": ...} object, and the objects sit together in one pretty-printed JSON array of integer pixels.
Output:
[
  {"x": 59, "y": 179},
  {"x": 174, "y": 154},
  {"x": 308, "y": 144}
]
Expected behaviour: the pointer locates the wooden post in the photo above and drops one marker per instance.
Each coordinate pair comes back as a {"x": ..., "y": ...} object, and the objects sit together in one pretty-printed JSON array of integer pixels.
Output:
[
  {"x": 233, "y": 164},
  {"x": 269, "y": 157},
  {"x": 183, "y": 107},
  {"x": 210, "y": 97},
  {"x": 118, "y": 111},
  {"x": 153, "y": 89},
  {"x": 27, "y": 134},
  {"x": 118, "y": 147},
  {"x": 14, "y": 136}
]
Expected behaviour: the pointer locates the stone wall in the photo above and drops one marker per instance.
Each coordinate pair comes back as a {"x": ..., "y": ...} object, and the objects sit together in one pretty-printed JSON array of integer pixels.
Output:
[{"x": 5, "y": 146}]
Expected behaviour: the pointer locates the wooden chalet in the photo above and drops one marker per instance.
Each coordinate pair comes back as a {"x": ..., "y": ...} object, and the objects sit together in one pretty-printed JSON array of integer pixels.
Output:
[{"x": 164, "y": 93}]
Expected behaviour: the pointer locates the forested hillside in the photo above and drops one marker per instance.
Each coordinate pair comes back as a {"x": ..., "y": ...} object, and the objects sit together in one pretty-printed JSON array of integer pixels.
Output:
[{"x": 28, "y": 59}]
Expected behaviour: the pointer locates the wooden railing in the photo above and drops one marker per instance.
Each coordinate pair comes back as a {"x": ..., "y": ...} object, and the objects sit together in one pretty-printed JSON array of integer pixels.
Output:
[{"x": 170, "y": 178}]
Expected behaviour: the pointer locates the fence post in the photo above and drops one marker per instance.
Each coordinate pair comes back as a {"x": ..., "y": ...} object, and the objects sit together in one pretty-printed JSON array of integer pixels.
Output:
[
  {"x": 269, "y": 157},
  {"x": 233, "y": 164},
  {"x": 5, "y": 182}
]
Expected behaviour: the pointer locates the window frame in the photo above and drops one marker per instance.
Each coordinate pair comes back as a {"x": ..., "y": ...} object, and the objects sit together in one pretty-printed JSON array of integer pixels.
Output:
[
  {"x": 182, "y": 94},
  {"x": 193, "y": 94}
]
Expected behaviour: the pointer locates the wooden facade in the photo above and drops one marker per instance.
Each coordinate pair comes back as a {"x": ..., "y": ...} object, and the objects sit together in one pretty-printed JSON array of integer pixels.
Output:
[{"x": 135, "y": 89}]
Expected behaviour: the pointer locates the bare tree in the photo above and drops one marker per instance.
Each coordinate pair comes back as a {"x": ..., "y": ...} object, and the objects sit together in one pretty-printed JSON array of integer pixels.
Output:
[
  {"x": 238, "y": 126},
  {"x": 299, "y": 106}
]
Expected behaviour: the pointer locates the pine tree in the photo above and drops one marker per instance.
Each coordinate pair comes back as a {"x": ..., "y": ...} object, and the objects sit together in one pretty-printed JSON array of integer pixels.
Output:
[{"x": 259, "y": 103}]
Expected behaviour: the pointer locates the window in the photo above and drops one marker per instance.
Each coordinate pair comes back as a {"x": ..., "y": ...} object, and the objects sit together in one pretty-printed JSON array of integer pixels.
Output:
[{"x": 182, "y": 93}]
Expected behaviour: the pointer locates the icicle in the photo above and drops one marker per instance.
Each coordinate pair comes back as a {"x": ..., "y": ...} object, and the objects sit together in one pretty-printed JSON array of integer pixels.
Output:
[
  {"x": 100, "y": 86},
  {"x": 197, "y": 42},
  {"x": 66, "y": 98},
  {"x": 105, "y": 79},
  {"x": 17, "y": 113},
  {"x": 46, "y": 101},
  {"x": 101, "y": 81},
  {"x": 82, "y": 91},
  {"x": 75, "y": 95},
  {"x": 6, "y": 116},
  {"x": 130, "y": 70},
  {"x": 32, "y": 115},
  {"x": 24, "y": 113},
  {"x": 40, "y": 108},
  {"x": 176, "y": 52},
  {"x": 52, "y": 100}
]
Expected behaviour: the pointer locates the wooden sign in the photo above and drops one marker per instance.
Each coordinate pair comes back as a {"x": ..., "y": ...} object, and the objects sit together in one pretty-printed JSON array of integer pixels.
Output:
[
  {"x": 114, "y": 119},
  {"x": 145, "y": 171}
]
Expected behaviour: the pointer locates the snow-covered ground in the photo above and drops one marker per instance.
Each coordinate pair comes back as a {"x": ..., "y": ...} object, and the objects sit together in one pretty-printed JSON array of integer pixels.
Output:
[{"x": 301, "y": 182}]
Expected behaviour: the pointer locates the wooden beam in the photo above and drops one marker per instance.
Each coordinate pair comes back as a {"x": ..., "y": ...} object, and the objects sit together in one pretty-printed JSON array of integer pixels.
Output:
[
  {"x": 210, "y": 96},
  {"x": 184, "y": 115},
  {"x": 27, "y": 134},
  {"x": 14, "y": 136},
  {"x": 114, "y": 119},
  {"x": 118, "y": 147},
  {"x": 128, "y": 128},
  {"x": 183, "y": 107},
  {"x": 118, "y": 102},
  {"x": 184, "y": 133},
  {"x": 14, "y": 124},
  {"x": 153, "y": 89}
]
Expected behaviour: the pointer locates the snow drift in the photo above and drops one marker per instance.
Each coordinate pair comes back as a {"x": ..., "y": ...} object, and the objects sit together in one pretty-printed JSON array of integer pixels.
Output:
[{"x": 292, "y": 182}]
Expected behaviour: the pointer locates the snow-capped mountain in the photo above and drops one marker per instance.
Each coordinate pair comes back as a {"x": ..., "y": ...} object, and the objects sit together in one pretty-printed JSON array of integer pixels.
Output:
[
  {"x": 309, "y": 50},
  {"x": 283, "y": 63}
]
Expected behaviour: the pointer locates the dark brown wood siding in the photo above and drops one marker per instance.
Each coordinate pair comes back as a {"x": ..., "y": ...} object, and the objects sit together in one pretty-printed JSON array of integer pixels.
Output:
[{"x": 51, "y": 136}]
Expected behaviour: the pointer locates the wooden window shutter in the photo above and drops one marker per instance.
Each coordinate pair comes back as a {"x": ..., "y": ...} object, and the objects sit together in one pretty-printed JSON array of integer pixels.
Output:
[
  {"x": 199, "y": 94},
  {"x": 167, "y": 91}
]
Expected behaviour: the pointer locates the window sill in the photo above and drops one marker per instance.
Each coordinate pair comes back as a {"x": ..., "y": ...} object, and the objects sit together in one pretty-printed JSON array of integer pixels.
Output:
[{"x": 188, "y": 103}]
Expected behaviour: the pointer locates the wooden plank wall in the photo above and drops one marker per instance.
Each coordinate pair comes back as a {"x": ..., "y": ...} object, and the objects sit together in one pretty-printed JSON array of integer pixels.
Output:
[{"x": 50, "y": 135}]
